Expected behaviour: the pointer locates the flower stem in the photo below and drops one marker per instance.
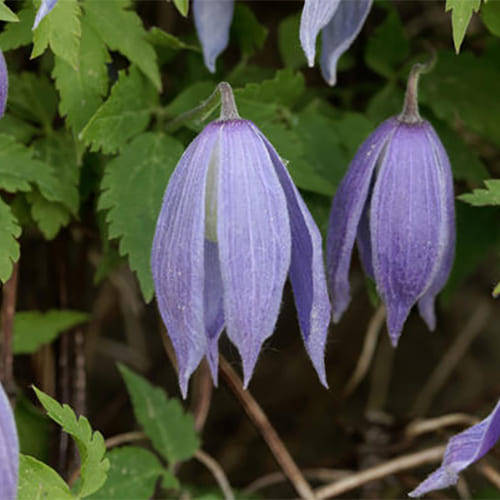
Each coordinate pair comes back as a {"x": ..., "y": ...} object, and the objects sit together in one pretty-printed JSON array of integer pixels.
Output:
[
  {"x": 228, "y": 111},
  {"x": 410, "y": 113}
]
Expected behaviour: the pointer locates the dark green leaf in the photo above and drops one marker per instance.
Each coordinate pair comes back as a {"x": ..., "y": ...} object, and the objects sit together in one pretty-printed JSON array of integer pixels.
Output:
[
  {"x": 490, "y": 14},
  {"x": 163, "y": 420},
  {"x": 161, "y": 38},
  {"x": 133, "y": 187},
  {"x": 9, "y": 247},
  {"x": 19, "y": 34},
  {"x": 32, "y": 428},
  {"x": 291, "y": 52},
  {"x": 245, "y": 27}
]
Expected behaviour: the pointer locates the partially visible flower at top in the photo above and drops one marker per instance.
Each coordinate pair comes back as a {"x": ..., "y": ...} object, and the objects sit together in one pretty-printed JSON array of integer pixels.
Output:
[
  {"x": 231, "y": 228},
  {"x": 463, "y": 450},
  {"x": 340, "y": 22},
  {"x": 212, "y": 19},
  {"x": 397, "y": 201},
  {"x": 4, "y": 84},
  {"x": 9, "y": 450},
  {"x": 45, "y": 8}
]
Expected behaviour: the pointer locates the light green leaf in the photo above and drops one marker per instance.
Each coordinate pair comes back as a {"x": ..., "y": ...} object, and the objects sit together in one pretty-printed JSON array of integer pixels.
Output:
[
  {"x": 291, "y": 52},
  {"x": 144, "y": 166},
  {"x": 123, "y": 115},
  {"x": 122, "y": 31},
  {"x": 82, "y": 90},
  {"x": 38, "y": 481},
  {"x": 182, "y": 6},
  {"x": 163, "y": 420},
  {"x": 161, "y": 38},
  {"x": 32, "y": 329},
  {"x": 496, "y": 291},
  {"x": 61, "y": 30},
  {"x": 9, "y": 247},
  {"x": 19, "y": 34},
  {"x": 94, "y": 466},
  {"x": 388, "y": 47},
  {"x": 6, "y": 14},
  {"x": 490, "y": 14},
  {"x": 484, "y": 197},
  {"x": 447, "y": 91},
  {"x": 18, "y": 170},
  {"x": 251, "y": 35},
  {"x": 133, "y": 474},
  {"x": 461, "y": 14}
]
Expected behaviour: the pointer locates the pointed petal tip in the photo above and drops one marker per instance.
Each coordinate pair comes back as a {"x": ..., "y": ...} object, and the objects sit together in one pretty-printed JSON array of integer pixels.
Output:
[
  {"x": 427, "y": 312},
  {"x": 397, "y": 313}
]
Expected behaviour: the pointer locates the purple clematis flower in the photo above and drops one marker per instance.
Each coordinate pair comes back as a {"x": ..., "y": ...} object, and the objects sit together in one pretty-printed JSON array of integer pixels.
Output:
[
  {"x": 45, "y": 8},
  {"x": 463, "y": 450},
  {"x": 4, "y": 84},
  {"x": 9, "y": 450},
  {"x": 397, "y": 201},
  {"x": 212, "y": 19},
  {"x": 340, "y": 22},
  {"x": 231, "y": 228}
]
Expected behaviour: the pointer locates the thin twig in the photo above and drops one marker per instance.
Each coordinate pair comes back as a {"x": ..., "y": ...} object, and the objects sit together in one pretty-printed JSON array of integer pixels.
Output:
[
  {"x": 489, "y": 473},
  {"x": 126, "y": 437},
  {"x": 450, "y": 360},
  {"x": 385, "y": 469},
  {"x": 9, "y": 298},
  {"x": 217, "y": 471},
  {"x": 420, "y": 426},
  {"x": 369, "y": 345},
  {"x": 267, "y": 431},
  {"x": 202, "y": 395},
  {"x": 321, "y": 474}
]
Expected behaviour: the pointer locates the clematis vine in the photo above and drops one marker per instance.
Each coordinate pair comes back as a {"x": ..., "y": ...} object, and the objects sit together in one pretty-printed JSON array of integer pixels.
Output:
[
  {"x": 340, "y": 22},
  {"x": 396, "y": 200},
  {"x": 9, "y": 449},
  {"x": 212, "y": 19},
  {"x": 231, "y": 228},
  {"x": 45, "y": 7},
  {"x": 463, "y": 450}
]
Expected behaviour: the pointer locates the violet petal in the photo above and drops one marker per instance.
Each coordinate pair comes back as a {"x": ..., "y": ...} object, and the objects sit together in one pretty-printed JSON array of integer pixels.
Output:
[
  {"x": 254, "y": 240},
  {"x": 444, "y": 264},
  {"x": 315, "y": 15},
  {"x": 4, "y": 84},
  {"x": 212, "y": 19},
  {"x": 9, "y": 449},
  {"x": 462, "y": 450},
  {"x": 339, "y": 34},
  {"x": 407, "y": 222},
  {"x": 346, "y": 212},
  {"x": 364, "y": 240},
  {"x": 45, "y": 7},
  {"x": 307, "y": 272},
  {"x": 177, "y": 257}
]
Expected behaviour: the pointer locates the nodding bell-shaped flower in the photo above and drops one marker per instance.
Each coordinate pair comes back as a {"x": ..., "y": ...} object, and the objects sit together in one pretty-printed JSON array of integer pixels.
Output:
[
  {"x": 45, "y": 7},
  {"x": 9, "y": 450},
  {"x": 212, "y": 19},
  {"x": 4, "y": 84},
  {"x": 463, "y": 450},
  {"x": 397, "y": 201},
  {"x": 340, "y": 22},
  {"x": 231, "y": 228}
]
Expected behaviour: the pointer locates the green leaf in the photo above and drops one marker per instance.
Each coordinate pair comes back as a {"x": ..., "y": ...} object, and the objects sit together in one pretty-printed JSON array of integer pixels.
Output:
[
  {"x": 6, "y": 14},
  {"x": 82, "y": 90},
  {"x": 182, "y": 6},
  {"x": 19, "y": 34},
  {"x": 9, "y": 247},
  {"x": 133, "y": 474},
  {"x": 38, "y": 481},
  {"x": 388, "y": 47},
  {"x": 122, "y": 31},
  {"x": 18, "y": 170},
  {"x": 496, "y": 291},
  {"x": 451, "y": 90},
  {"x": 94, "y": 466},
  {"x": 161, "y": 38},
  {"x": 163, "y": 420},
  {"x": 291, "y": 52},
  {"x": 21, "y": 130},
  {"x": 32, "y": 329},
  {"x": 251, "y": 35},
  {"x": 61, "y": 30},
  {"x": 50, "y": 217},
  {"x": 144, "y": 166},
  {"x": 462, "y": 11},
  {"x": 123, "y": 115},
  {"x": 490, "y": 14},
  {"x": 32, "y": 98},
  {"x": 484, "y": 197},
  {"x": 32, "y": 428}
]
